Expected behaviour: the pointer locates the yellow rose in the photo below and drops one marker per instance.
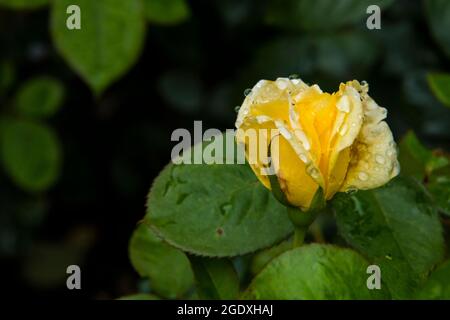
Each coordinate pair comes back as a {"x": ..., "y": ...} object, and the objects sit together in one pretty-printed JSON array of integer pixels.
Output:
[{"x": 338, "y": 141}]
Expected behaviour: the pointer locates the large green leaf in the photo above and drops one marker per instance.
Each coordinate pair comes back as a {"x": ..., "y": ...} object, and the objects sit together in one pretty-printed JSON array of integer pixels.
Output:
[
  {"x": 215, "y": 278},
  {"x": 440, "y": 84},
  {"x": 438, "y": 14},
  {"x": 314, "y": 272},
  {"x": 215, "y": 210},
  {"x": 397, "y": 228},
  {"x": 319, "y": 14},
  {"x": 30, "y": 154},
  {"x": 167, "y": 268},
  {"x": 40, "y": 97},
  {"x": 437, "y": 285},
  {"x": 108, "y": 43},
  {"x": 23, "y": 4},
  {"x": 166, "y": 11},
  {"x": 262, "y": 258}
]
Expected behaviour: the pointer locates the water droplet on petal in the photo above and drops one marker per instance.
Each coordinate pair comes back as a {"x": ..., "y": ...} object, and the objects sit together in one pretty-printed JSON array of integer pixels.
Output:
[
  {"x": 285, "y": 133},
  {"x": 363, "y": 176},
  {"x": 236, "y": 109},
  {"x": 380, "y": 159},
  {"x": 312, "y": 171},
  {"x": 343, "y": 104},
  {"x": 343, "y": 129},
  {"x": 351, "y": 190},
  {"x": 247, "y": 91},
  {"x": 303, "y": 158},
  {"x": 293, "y": 76},
  {"x": 395, "y": 169},
  {"x": 302, "y": 137},
  {"x": 281, "y": 84}
]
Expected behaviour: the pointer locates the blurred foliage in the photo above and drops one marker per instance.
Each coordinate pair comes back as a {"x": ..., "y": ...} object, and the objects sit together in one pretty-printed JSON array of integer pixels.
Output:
[
  {"x": 310, "y": 14},
  {"x": 440, "y": 84},
  {"x": 108, "y": 42},
  {"x": 40, "y": 97},
  {"x": 70, "y": 157},
  {"x": 23, "y": 4},
  {"x": 166, "y": 12},
  {"x": 30, "y": 154}
]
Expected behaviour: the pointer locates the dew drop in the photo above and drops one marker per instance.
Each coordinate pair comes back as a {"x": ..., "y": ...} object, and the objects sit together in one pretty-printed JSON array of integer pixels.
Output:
[
  {"x": 380, "y": 159},
  {"x": 302, "y": 137},
  {"x": 351, "y": 190},
  {"x": 293, "y": 76},
  {"x": 363, "y": 176},
  {"x": 343, "y": 104},
  {"x": 343, "y": 130},
  {"x": 247, "y": 91},
  {"x": 395, "y": 169},
  {"x": 285, "y": 133},
  {"x": 236, "y": 109},
  {"x": 281, "y": 84},
  {"x": 303, "y": 158},
  {"x": 312, "y": 171}
]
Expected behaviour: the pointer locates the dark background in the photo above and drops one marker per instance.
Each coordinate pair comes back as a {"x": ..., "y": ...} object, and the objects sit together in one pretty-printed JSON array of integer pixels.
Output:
[{"x": 114, "y": 145}]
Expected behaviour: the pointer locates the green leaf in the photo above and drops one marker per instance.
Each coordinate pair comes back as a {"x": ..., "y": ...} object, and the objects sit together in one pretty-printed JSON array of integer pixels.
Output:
[
  {"x": 166, "y": 11},
  {"x": 40, "y": 97},
  {"x": 438, "y": 14},
  {"x": 109, "y": 41},
  {"x": 314, "y": 272},
  {"x": 167, "y": 268},
  {"x": 440, "y": 84},
  {"x": 23, "y": 4},
  {"x": 437, "y": 286},
  {"x": 262, "y": 258},
  {"x": 215, "y": 278},
  {"x": 439, "y": 187},
  {"x": 416, "y": 160},
  {"x": 395, "y": 227},
  {"x": 30, "y": 154},
  {"x": 139, "y": 296},
  {"x": 215, "y": 210},
  {"x": 319, "y": 14}
]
